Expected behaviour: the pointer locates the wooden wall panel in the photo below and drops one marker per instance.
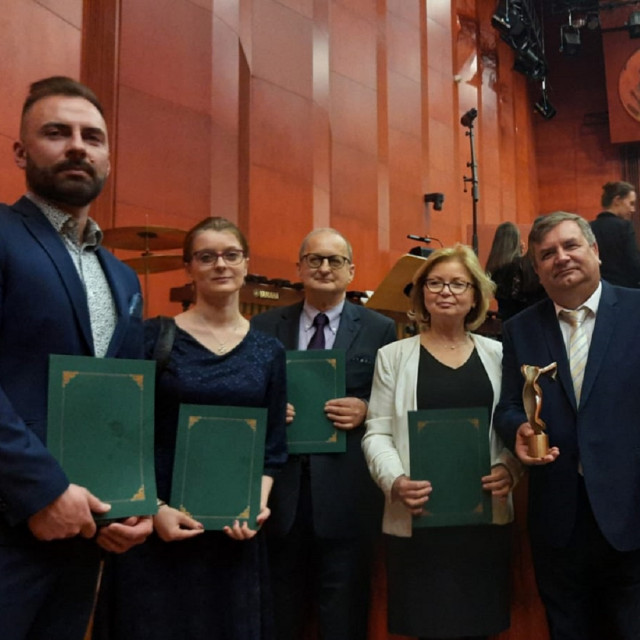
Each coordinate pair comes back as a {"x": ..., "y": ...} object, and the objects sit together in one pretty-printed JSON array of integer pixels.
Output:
[
  {"x": 443, "y": 173},
  {"x": 165, "y": 51},
  {"x": 277, "y": 232},
  {"x": 225, "y": 120},
  {"x": 163, "y": 160},
  {"x": 163, "y": 165},
  {"x": 39, "y": 39},
  {"x": 281, "y": 130},
  {"x": 405, "y": 128},
  {"x": 321, "y": 119},
  {"x": 282, "y": 46},
  {"x": 353, "y": 86}
]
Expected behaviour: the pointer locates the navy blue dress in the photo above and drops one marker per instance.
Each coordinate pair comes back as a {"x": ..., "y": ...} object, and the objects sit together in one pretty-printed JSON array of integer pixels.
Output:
[{"x": 209, "y": 587}]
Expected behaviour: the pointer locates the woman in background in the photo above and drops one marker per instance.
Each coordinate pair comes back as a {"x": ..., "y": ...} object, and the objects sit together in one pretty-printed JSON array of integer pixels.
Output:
[
  {"x": 517, "y": 283},
  {"x": 185, "y": 583},
  {"x": 444, "y": 582}
]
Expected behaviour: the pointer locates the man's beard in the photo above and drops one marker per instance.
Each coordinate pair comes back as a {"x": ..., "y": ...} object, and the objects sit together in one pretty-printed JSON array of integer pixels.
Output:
[{"x": 49, "y": 184}]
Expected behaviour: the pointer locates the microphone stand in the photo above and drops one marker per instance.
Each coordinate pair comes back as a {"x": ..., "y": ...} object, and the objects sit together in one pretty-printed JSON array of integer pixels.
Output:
[{"x": 467, "y": 121}]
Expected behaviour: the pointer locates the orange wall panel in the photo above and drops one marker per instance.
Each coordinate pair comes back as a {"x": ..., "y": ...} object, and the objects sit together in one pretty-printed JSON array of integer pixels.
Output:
[
  {"x": 281, "y": 131},
  {"x": 282, "y": 47},
  {"x": 38, "y": 40},
  {"x": 165, "y": 51},
  {"x": 353, "y": 41},
  {"x": 163, "y": 159},
  {"x": 284, "y": 205}
]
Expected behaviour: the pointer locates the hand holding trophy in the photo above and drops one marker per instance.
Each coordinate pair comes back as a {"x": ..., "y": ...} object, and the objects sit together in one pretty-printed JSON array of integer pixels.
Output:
[{"x": 532, "y": 401}]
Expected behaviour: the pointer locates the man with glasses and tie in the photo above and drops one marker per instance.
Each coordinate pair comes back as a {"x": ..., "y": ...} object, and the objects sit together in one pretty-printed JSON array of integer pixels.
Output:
[
  {"x": 325, "y": 509},
  {"x": 584, "y": 495}
]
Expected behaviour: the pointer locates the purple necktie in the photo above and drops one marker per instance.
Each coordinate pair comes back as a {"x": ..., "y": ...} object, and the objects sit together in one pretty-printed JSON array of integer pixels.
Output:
[{"x": 317, "y": 339}]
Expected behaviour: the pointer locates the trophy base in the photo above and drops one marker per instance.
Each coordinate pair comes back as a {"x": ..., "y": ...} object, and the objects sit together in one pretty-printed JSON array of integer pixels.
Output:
[{"x": 538, "y": 445}]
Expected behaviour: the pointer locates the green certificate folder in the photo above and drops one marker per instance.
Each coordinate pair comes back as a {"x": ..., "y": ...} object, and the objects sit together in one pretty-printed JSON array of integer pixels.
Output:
[
  {"x": 450, "y": 448},
  {"x": 313, "y": 377},
  {"x": 100, "y": 429},
  {"x": 219, "y": 463}
]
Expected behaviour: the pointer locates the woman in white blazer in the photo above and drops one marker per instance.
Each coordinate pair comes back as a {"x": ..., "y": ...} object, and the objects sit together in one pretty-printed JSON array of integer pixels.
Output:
[{"x": 443, "y": 582}]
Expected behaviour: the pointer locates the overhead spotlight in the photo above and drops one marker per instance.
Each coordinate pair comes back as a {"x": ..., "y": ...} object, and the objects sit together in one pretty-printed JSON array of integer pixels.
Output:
[
  {"x": 500, "y": 19},
  {"x": 569, "y": 40},
  {"x": 633, "y": 24},
  {"x": 543, "y": 106},
  {"x": 507, "y": 18},
  {"x": 593, "y": 21},
  {"x": 519, "y": 26},
  {"x": 530, "y": 63}
]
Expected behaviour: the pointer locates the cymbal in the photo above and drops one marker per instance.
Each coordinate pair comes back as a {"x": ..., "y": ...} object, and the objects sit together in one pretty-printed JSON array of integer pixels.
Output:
[
  {"x": 155, "y": 263},
  {"x": 144, "y": 238}
]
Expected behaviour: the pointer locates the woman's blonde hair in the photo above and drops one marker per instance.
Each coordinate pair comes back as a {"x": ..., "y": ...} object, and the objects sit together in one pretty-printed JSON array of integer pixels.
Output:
[{"x": 483, "y": 286}]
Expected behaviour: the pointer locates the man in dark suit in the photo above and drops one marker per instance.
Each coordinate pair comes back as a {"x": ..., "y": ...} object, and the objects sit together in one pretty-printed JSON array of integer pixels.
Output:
[
  {"x": 584, "y": 495},
  {"x": 616, "y": 237},
  {"x": 59, "y": 293},
  {"x": 326, "y": 510}
]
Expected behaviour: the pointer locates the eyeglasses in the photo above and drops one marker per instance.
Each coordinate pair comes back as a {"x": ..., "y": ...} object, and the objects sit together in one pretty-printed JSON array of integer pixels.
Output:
[
  {"x": 208, "y": 257},
  {"x": 456, "y": 287},
  {"x": 314, "y": 260}
]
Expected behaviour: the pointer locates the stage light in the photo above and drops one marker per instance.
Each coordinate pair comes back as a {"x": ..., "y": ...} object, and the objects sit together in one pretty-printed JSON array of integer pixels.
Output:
[
  {"x": 529, "y": 63},
  {"x": 569, "y": 40},
  {"x": 543, "y": 106},
  {"x": 633, "y": 24},
  {"x": 519, "y": 26},
  {"x": 508, "y": 18},
  {"x": 593, "y": 21}
]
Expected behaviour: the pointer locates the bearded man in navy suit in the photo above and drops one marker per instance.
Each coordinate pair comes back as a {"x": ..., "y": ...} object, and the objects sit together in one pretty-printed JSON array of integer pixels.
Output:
[
  {"x": 584, "y": 495},
  {"x": 325, "y": 509},
  {"x": 60, "y": 292}
]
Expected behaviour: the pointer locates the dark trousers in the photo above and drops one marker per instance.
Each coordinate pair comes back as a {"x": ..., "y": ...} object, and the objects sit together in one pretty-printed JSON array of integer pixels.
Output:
[
  {"x": 47, "y": 589},
  {"x": 590, "y": 590},
  {"x": 331, "y": 574}
]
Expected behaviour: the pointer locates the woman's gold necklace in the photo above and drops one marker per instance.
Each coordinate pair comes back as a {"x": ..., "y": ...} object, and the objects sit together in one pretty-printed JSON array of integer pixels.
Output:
[
  {"x": 453, "y": 346},
  {"x": 222, "y": 348}
]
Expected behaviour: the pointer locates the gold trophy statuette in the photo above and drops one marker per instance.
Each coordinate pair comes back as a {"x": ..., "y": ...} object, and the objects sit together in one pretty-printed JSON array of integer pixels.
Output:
[{"x": 532, "y": 401}]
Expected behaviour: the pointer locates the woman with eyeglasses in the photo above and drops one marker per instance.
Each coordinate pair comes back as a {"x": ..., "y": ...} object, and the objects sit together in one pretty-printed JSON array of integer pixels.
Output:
[
  {"x": 451, "y": 581},
  {"x": 185, "y": 583}
]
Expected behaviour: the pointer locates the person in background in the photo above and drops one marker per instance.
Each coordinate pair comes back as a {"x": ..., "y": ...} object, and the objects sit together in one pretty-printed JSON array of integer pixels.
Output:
[
  {"x": 62, "y": 293},
  {"x": 326, "y": 510},
  {"x": 517, "y": 283},
  {"x": 616, "y": 238},
  {"x": 584, "y": 512},
  {"x": 443, "y": 582},
  {"x": 185, "y": 583}
]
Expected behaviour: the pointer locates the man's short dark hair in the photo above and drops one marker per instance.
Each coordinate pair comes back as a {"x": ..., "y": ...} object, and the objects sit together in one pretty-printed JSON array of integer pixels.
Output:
[
  {"x": 59, "y": 86},
  {"x": 543, "y": 224},
  {"x": 612, "y": 190}
]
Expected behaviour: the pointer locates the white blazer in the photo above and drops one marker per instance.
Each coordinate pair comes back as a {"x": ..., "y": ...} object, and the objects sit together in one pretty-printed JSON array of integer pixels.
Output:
[{"x": 386, "y": 442}]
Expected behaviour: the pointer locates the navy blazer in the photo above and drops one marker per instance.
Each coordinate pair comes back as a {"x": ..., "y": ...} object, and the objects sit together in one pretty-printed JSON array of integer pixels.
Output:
[
  {"x": 346, "y": 501},
  {"x": 603, "y": 433},
  {"x": 43, "y": 310}
]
